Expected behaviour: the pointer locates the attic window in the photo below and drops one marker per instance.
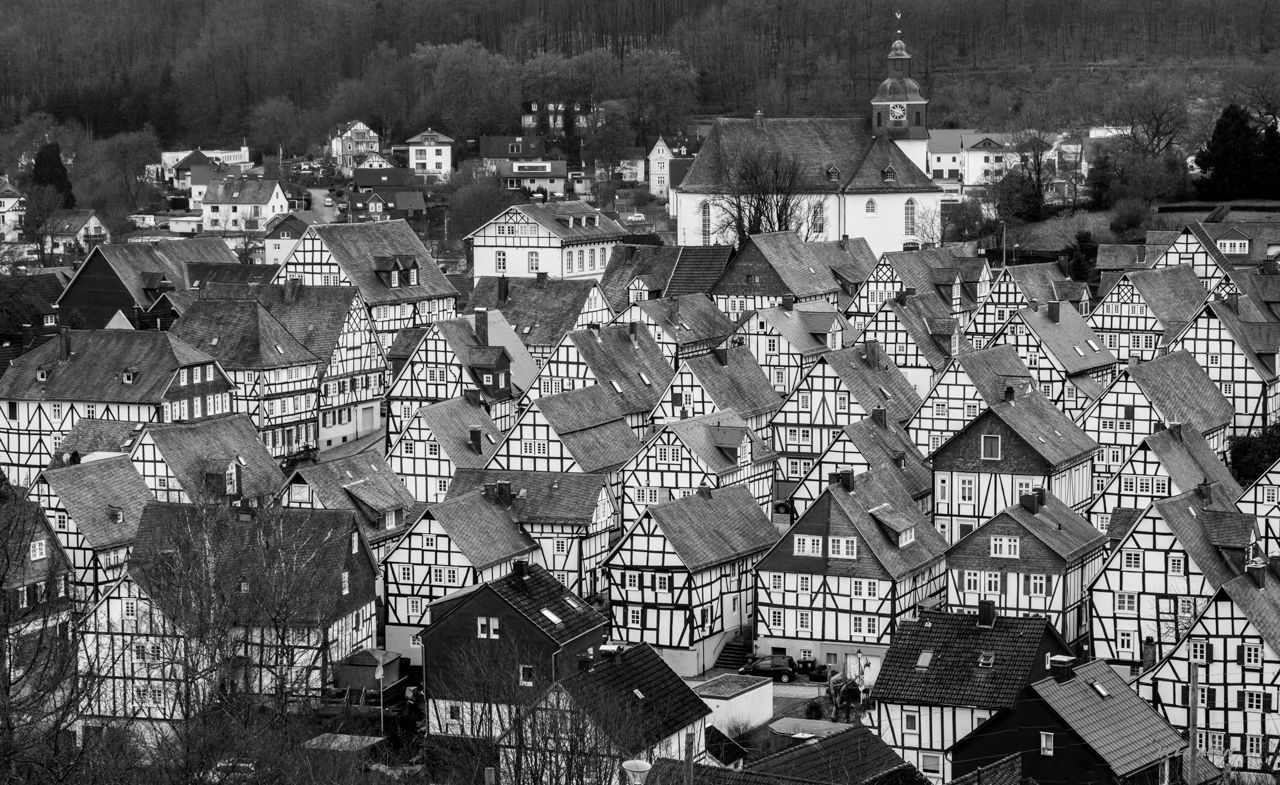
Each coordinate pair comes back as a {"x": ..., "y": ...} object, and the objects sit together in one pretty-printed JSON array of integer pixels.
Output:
[
  {"x": 922, "y": 662},
  {"x": 1078, "y": 350},
  {"x": 645, "y": 379},
  {"x": 572, "y": 603},
  {"x": 833, "y": 174},
  {"x": 636, "y": 692},
  {"x": 1098, "y": 688},
  {"x": 42, "y": 375},
  {"x": 889, "y": 174},
  {"x": 127, "y": 377},
  {"x": 1092, "y": 345},
  {"x": 244, "y": 586},
  {"x": 986, "y": 659},
  {"x": 214, "y": 342},
  {"x": 615, "y": 384},
  {"x": 278, "y": 349},
  {"x": 554, "y": 619}
]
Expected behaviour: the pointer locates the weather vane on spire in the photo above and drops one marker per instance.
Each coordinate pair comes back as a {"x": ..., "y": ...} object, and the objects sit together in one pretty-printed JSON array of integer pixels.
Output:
[{"x": 898, "y": 15}]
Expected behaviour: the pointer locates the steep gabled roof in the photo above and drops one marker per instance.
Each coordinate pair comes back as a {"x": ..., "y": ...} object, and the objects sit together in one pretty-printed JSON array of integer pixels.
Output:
[
  {"x": 538, "y": 497},
  {"x": 194, "y": 450},
  {"x": 540, "y": 312},
  {"x": 856, "y": 755},
  {"x": 886, "y": 446},
  {"x": 460, "y": 335},
  {"x": 240, "y": 334},
  {"x": 314, "y": 315},
  {"x": 590, "y": 424},
  {"x": 451, "y": 421},
  {"x": 874, "y": 380},
  {"x": 930, "y": 323},
  {"x": 995, "y": 368},
  {"x": 1068, "y": 338},
  {"x": 689, "y": 318},
  {"x": 21, "y": 524},
  {"x": 716, "y": 438},
  {"x": 481, "y": 529},
  {"x": 805, "y": 325},
  {"x": 240, "y": 190},
  {"x": 1172, "y": 294},
  {"x": 1189, "y": 460},
  {"x": 144, "y": 268},
  {"x": 1046, "y": 283},
  {"x": 538, "y": 590},
  {"x": 675, "y": 270},
  {"x": 952, "y": 676},
  {"x": 626, "y": 358},
  {"x": 714, "y": 526},
  {"x": 740, "y": 384},
  {"x": 1181, "y": 391},
  {"x": 1096, "y": 702},
  {"x": 1256, "y": 340},
  {"x": 1042, "y": 426},
  {"x": 355, "y": 247},
  {"x": 797, "y": 268},
  {"x": 105, "y": 498},
  {"x": 1058, "y": 526},
  {"x": 63, "y": 222},
  {"x": 1205, "y": 524},
  {"x": 90, "y": 435}
]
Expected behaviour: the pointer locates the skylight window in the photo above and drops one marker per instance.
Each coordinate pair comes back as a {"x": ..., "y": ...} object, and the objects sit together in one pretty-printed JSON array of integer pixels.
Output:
[
  {"x": 986, "y": 659},
  {"x": 615, "y": 384},
  {"x": 572, "y": 603},
  {"x": 214, "y": 342},
  {"x": 1078, "y": 350},
  {"x": 636, "y": 692},
  {"x": 1098, "y": 688},
  {"x": 554, "y": 619},
  {"x": 645, "y": 379},
  {"x": 922, "y": 662},
  {"x": 1092, "y": 345}
]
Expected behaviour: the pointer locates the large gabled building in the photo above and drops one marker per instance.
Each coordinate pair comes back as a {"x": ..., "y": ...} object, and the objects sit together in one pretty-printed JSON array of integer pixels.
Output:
[
  {"x": 789, "y": 339},
  {"x": 1014, "y": 288},
  {"x": 919, "y": 333},
  {"x": 215, "y": 461},
  {"x": 650, "y": 272},
  {"x": 1142, "y": 311},
  {"x": 1068, "y": 360},
  {"x": 726, "y": 379},
  {"x": 770, "y": 269},
  {"x": 440, "y": 439},
  {"x": 970, "y": 383},
  {"x": 562, "y": 239},
  {"x": 684, "y": 326}
]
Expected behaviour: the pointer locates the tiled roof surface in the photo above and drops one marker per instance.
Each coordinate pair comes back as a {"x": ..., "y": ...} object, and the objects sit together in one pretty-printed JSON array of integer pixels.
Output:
[
  {"x": 1043, "y": 427},
  {"x": 554, "y": 217},
  {"x": 1146, "y": 738},
  {"x": 314, "y": 315},
  {"x": 590, "y": 424},
  {"x": 921, "y": 314},
  {"x": 196, "y": 449},
  {"x": 1041, "y": 282},
  {"x": 240, "y": 334},
  {"x": 696, "y": 318},
  {"x": 90, "y": 435},
  {"x": 1200, "y": 535},
  {"x": 483, "y": 531},
  {"x": 451, "y": 421},
  {"x": 953, "y": 676},
  {"x": 538, "y": 497},
  {"x": 1122, "y": 257},
  {"x": 392, "y": 177},
  {"x": 67, "y": 221},
  {"x": 1181, "y": 391},
  {"x": 1059, "y": 527},
  {"x": 1006, "y": 771},
  {"x": 21, "y": 524},
  {"x": 697, "y": 269},
  {"x": 805, "y": 325},
  {"x": 856, "y": 755},
  {"x": 355, "y": 247},
  {"x": 740, "y": 384},
  {"x": 708, "y": 530},
  {"x": 869, "y": 374},
  {"x": 240, "y": 190},
  {"x": 142, "y": 266},
  {"x": 540, "y": 313},
  {"x": 1260, "y": 606},
  {"x": 623, "y": 356},
  {"x": 614, "y": 687},
  {"x": 89, "y": 491},
  {"x": 1189, "y": 460},
  {"x": 1070, "y": 339},
  {"x": 799, "y": 269},
  {"x": 461, "y": 337},
  {"x": 993, "y": 369},
  {"x": 94, "y": 370},
  {"x": 539, "y": 590},
  {"x": 708, "y": 436},
  {"x": 885, "y": 446},
  {"x": 627, "y": 262},
  {"x": 1172, "y": 294},
  {"x": 1254, "y": 339}
]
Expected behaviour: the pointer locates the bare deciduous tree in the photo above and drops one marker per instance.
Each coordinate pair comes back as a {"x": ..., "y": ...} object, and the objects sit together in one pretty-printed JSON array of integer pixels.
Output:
[
  {"x": 763, "y": 191},
  {"x": 1155, "y": 112}
]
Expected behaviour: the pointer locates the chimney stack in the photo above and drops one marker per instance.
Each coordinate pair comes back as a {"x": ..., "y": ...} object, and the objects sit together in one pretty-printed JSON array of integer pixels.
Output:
[
  {"x": 1175, "y": 428},
  {"x": 475, "y": 440},
  {"x": 520, "y": 568},
  {"x": 1233, "y": 302},
  {"x": 1202, "y": 489},
  {"x": 594, "y": 327},
  {"x": 759, "y": 120},
  {"x": 1269, "y": 266},
  {"x": 1035, "y": 305},
  {"x": 1063, "y": 668},
  {"x": 584, "y": 663},
  {"x": 986, "y": 614},
  {"x": 504, "y": 491},
  {"x": 879, "y": 417},
  {"x": 1041, "y": 496},
  {"x": 871, "y": 351},
  {"x": 482, "y": 326},
  {"x": 542, "y": 280},
  {"x": 847, "y": 480},
  {"x": 503, "y": 290},
  {"x": 631, "y": 330},
  {"x": 1273, "y": 561},
  {"x": 1257, "y": 570},
  {"x": 1148, "y": 653},
  {"x": 833, "y": 478},
  {"x": 64, "y": 344},
  {"x": 1030, "y": 502},
  {"x": 673, "y": 311},
  {"x": 291, "y": 289},
  {"x": 722, "y": 355},
  {"x": 1053, "y": 311},
  {"x": 704, "y": 491},
  {"x": 1158, "y": 426},
  {"x": 788, "y": 302}
]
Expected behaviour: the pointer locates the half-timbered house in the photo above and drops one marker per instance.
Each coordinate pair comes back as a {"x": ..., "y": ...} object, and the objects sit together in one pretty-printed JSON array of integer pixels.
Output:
[
  {"x": 1079, "y": 725},
  {"x": 919, "y": 334},
  {"x": 777, "y": 265},
  {"x": 1262, "y": 500},
  {"x": 572, "y": 517},
  {"x": 1067, "y": 359},
  {"x": 1169, "y": 462},
  {"x": 106, "y": 374},
  {"x": 1160, "y": 576},
  {"x": 726, "y": 379},
  {"x": 1232, "y": 643},
  {"x": 1194, "y": 247},
  {"x": 478, "y": 353},
  {"x": 714, "y": 450},
  {"x": 37, "y": 594},
  {"x": 680, "y": 578},
  {"x": 468, "y": 539},
  {"x": 158, "y": 660},
  {"x": 622, "y": 356},
  {"x": 860, "y": 559},
  {"x": 1239, "y": 357},
  {"x": 276, "y": 376},
  {"x": 438, "y": 441},
  {"x": 542, "y": 310},
  {"x": 948, "y": 673},
  {"x": 789, "y": 339},
  {"x": 1170, "y": 389},
  {"x": 1144, "y": 310},
  {"x": 684, "y": 326},
  {"x": 93, "y": 509},
  {"x": 363, "y": 483},
  {"x": 1014, "y": 288},
  {"x": 962, "y": 282},
  {"x": 1035, "y": 558},
  {"x": 1019, "y": 443},
  {"x": 649, "y": 272},
  {"x": 871, "y": 443},
  {"x": 214, "y": 461},
  {"x": 521, "y": 631},
  {"x": 840, "y": 389},
  {"x": 563, "y": 239},
  {"x": 399, "y": 282},
  {"x": 970, "y": 383}
]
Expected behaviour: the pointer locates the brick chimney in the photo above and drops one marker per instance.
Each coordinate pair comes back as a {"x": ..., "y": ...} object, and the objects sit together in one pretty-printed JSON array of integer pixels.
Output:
[
  {"x": 986, "y": 614},
  {"x": 722, "y": 355},
  {"x": 879, "y": 417},
  {"x": 1063, "y": 668},
  {"x": 503, "y": 290},
  {"x": 847, "y": 480},
  {"x": 475, "y": 440},
  {"x": 704, "y": 491},
  {"x": 542, "y": 280},
  {"x": 1053, "y": 310}
]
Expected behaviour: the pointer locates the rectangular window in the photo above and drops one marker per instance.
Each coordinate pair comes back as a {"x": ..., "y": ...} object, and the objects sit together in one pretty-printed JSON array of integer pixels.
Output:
[
  {"x": 839, "y": 547},
  {"x": 972, "y": 580},
  {"x": 526, "y": 675},
  {"x": 775, "y": 619},
  {"x": 805, "y": 583},
  {"x": 130, "y": 608},
  {"x": 634, "y": 617},
  {"x": 1005, "y": 547},
  {"x": 1251, "y": 655},
  {"x": 808, "y": 546},
  {"x": 487, "y": 627},
  {"x": 1132, "y": 560},
  {"x": 1198, "y": 651},
  {"x": 1125, "y": 642},
  {"x": 990, "y": 448},
  {"x": 1177, "y": 566},
  {"x": 1036, "y": 585},
  {"x": 662, "y": 583},
  {"x": 1046, "y": 743},
  {"x": 1126, "y": 603},
  {"x": 1251, "y": 700},
  {"x": 804, "y": 621}
]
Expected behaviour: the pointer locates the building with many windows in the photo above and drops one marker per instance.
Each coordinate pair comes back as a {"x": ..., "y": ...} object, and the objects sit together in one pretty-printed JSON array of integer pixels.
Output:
[{"x": 562, "y": 239}]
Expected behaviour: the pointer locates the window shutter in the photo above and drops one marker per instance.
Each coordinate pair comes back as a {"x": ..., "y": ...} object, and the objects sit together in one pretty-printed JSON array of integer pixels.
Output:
[
  {"x": 1186, "y": 695},
  {"x": 1026, "y": 585},
  {"x": 1240, "y": 700},
  {"x": 676, "y": 399},
  {"x": 1213, "y": 697},
  {"x": 1004, "y": 582},
  {"x": 1240, "y": 654},
  {"x": 1266, "y": 703},
  {"x": 1208, "y": 652}
]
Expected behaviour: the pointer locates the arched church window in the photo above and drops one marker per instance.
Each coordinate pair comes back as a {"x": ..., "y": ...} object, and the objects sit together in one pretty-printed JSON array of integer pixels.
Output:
[{"x": 909, "y": 217}]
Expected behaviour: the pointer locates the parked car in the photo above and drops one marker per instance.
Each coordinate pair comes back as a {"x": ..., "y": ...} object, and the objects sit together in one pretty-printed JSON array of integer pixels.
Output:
[
  {"x": 779, "y": 667},
  {"x": 636, "y": 218},
  {"x": 328, "y": 201}
]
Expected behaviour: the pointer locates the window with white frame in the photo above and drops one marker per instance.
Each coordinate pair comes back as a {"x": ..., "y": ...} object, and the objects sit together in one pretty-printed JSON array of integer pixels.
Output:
[
  {"x": 633, "y": 581},
  {"x": 1005, "y": 547},
  {"x": 804, "y": 621},
  {"x": 1046, "y": 743},
  {"x": 842, "y": 547},
  {"x": 804, "y": 583},
  {"x": 966, "y": 489},
  {"x": 1198, "y": 651},
  {"x": 1036, "y": 585},
  {"x": 1177, "y": 566},
  {"x": 1125, "y": 642},
  {"x": 487, "y": 627},
  {"x": 806, "y": 545},
  {"x": 1251, "y": 655},
  {"x": 990, "y": 448},
  {"x": 500, "y": 261},
  {"x": 1131, "y": 560},
  {"x": 991, "y": 584},
  {"x": 1252, "y": 700},
  {"x": 1126, "y": 602},
  {"x": 775, "y": 619},
  {"x": 775, "y": 581},
  {"x": 635, "y": 617}
]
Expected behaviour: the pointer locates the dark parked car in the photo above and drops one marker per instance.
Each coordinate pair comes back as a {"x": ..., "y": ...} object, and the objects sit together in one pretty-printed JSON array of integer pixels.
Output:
[{"x": 779, "y": 667}]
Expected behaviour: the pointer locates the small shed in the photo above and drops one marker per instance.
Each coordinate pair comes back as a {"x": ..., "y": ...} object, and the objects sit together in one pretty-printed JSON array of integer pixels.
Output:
[{"x": 737, "y": 701}]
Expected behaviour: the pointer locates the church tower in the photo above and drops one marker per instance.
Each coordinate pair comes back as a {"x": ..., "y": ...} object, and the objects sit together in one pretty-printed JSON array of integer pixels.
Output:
[{"x": 899, "y": 111}]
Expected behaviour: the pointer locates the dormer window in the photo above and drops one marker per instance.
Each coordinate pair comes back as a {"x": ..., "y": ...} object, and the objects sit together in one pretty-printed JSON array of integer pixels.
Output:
[
  {"x": 127, "y": 377},
  {"x": 907, "y": 537},
  {"x": 833, "y": 174},
  {"x": 986, "y": 659},
  {"x": 889, "y": 174},
  {"x": 42, "y": 375},
  {"x": 50, "y": 320},
  {"x": 244, "y": 586}
]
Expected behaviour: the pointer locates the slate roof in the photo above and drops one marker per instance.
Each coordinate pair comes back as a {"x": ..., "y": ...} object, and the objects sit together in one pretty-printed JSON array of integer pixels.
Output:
[
  {"x": 21, "y": 524},
  {"x": 90, "y": 435},
  {"x": 613, "y": 688},
  {"x": 884, "y": 446},
  {"x": 240, "y": 190},
  {"x": 1260, "y": 606},
  {"x": 699, "y": 319},
  {"x": 1172, "y": 294},
  {"x": 482, "y": 530},
  {"x": 393, "y": 177},
  {"x": 818, "y": 145},
  {"x": 1181, "y": 391},
  {"x": 541, "y": 314},
  {"x": 451, "y": 421},
  {"x": 528, "y": 596},
  {"x": 936, "y": 270},
  {"x": 1147, "y": 737},
  {"x": 1046, "y": 283},
  {"x": 874, "y": 380},
  {"x": 241, "y": 334},
  {"x": 930, "y": 323},
  {"x": 1041, "y": 425},
  {"x": 878, "y": 509},
  {"x": 314, "y": 315},
  {"x": 953, "y": 676},
  {"x": 798, "y": 269},
  {"x": 708, "y": 436},
  {"x": 1200, "y": 535},
  {"x": 1189, "y": 460},
  {"x": 805, "y": 325},
  {"x": 144, "y": 267},
  {"x": 993, "y": 369},
  {"x": 461, "y": 337},
  {"x": 554, "y": 217},
  {"x": 1070, "y": 339},
  {"x": 89, "y": 491},
  {"x": 669, "y": 771},
  {"x": 740, "y": 384},
  {"x": 1058, "y": 526},
  {"x": 1006, "y": 771},
  {"x": 590, "y": 424},
  {"x": 856, "y": 755},
  {"x": 1113, "y": 256},
  {"x": 675, "y": 269},
  {"x": 531, "y": 147},
  {"x": 617, "y": 355},
  {"x": 1254, "y": 339},
  {"x": 362, "y": 482},
  {"x": 193, "y": 450},
  {"x": 706, "y": 530},
  {"x": 355, "y": 247},
  {"x": 93, "y": 372},
  {"x": 539, "y": 497},
  {"x": 65, "y": 222}
]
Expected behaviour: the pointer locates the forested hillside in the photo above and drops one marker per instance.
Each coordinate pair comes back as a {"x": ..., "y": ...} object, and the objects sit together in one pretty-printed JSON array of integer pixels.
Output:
[{"x": 197, "y": 70}]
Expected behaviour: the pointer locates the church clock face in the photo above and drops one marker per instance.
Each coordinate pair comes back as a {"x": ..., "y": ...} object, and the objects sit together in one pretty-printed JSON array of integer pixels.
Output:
[{"x": 898, "y": 112}]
